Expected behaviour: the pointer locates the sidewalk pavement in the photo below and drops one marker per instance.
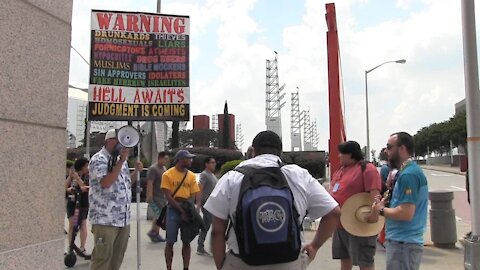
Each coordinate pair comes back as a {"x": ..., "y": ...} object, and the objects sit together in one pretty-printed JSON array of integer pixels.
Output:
[
  {"x": 152, "y": 255},
  {"x": 443, "y": 168}
]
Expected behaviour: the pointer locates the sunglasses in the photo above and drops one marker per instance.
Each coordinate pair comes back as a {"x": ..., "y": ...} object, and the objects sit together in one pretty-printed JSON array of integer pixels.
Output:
[{"x": 390, "y": 146}]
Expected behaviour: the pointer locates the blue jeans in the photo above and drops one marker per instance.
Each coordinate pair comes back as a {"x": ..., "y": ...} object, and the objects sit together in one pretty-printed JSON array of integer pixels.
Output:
[
  {"x": 207, "y": 219},
  {"x": 174, "y": 223},
  {"x": 403, "y": 256}
]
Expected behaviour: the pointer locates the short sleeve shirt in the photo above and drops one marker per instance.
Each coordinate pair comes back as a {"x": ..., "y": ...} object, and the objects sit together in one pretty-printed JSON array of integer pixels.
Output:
[
  {"x": 308, "y": 194},
  {"x": 155, "y": 174},
  {"x": 109, "y": 206},
  {"x": 172, "y": 178},
  {"x": 208, "y": 181},
  {"x": 411, "y": 188},
  {"x": 350, "y": 180}
]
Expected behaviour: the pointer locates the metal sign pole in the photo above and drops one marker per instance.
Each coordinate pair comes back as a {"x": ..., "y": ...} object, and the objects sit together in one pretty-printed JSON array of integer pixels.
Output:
[
  {"x": 472, "y": 94},
  {"x": 138, "y": 189}
]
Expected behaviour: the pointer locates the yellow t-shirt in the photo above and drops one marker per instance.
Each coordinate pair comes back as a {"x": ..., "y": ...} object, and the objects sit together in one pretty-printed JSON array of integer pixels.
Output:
[{"x": 172, "y": 178}]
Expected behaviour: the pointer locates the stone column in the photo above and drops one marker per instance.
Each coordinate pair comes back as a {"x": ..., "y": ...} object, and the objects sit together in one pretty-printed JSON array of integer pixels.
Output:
[{"x": 34, "y": 64}]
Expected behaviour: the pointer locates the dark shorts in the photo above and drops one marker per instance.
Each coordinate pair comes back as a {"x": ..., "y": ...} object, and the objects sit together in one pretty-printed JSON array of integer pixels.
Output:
[
  {"x": 361, "y": 250},
  {"x": 71, "y": 211}
]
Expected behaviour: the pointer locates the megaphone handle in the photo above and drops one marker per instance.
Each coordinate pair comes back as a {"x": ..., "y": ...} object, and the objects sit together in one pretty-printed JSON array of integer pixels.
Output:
[{"x": 139, "y": 189}]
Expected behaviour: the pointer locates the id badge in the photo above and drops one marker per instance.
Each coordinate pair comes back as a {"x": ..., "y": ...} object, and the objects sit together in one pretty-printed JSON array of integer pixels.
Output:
[{"x": 336, "y": 187}]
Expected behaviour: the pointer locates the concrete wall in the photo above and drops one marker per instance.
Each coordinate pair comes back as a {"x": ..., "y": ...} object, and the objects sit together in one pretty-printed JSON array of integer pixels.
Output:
[
  {"x": 444, "y": 160},
  {"x": 34, "y": 63}
]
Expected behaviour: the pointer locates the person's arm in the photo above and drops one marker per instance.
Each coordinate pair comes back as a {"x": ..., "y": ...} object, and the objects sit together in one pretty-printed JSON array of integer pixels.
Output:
[
  {"x": 150, "y": 176},
  {"x": 68, "y": 183},
  {"x": 134, "y": 174},
  {"x": 327, "y": 226},
  {"x": 198, "y": 200},
  {"x": 108, "y": 180},
  {"x": 219, "y": 228},
  {"x": 408, "y": 186},
  {"x": 373, "y": 184},
  {"x": 173, "y": 203}
]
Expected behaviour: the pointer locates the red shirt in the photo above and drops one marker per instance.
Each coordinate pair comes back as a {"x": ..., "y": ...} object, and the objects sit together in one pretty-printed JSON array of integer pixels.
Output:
[{"x": 350, "y": 180}]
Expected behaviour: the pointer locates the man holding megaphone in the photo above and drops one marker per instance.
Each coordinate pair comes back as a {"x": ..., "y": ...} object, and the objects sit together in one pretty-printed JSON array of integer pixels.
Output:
[{"x": 110, "y": 196}]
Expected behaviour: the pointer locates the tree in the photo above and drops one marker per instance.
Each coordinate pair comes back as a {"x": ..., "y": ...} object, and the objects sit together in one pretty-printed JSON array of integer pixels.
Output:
[
  {"x": 186, "y": 138},
  {"x": 437, "y": 136},
  {"x": 175, "y": 134},
  {"x": 226, "y": 144}
]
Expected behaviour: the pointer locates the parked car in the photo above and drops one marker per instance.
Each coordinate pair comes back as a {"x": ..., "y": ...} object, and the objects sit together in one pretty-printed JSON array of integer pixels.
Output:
[{"x": 143, "y": 185}]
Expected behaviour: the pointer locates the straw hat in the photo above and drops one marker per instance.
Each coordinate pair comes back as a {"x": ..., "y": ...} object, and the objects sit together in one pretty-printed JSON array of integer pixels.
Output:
[{"x": 354, "y": 213}]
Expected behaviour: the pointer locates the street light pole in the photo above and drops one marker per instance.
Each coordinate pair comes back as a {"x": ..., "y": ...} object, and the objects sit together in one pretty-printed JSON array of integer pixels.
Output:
[
  {"x": 401, "y": 61},
  {"x": 472, "y": 96}
]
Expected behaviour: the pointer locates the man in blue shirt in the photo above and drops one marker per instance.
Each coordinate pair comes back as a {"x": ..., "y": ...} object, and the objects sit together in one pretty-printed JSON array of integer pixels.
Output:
[{"x": 406, "y": 216}]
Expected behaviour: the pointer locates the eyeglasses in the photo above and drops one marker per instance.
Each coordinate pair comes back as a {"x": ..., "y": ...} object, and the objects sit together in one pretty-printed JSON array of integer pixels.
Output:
[{"x": 390, "y": 146}]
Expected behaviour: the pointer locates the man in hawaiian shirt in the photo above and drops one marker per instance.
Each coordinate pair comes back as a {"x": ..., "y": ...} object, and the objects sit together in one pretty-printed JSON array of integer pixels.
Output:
[{"x": 110, "y": 196}]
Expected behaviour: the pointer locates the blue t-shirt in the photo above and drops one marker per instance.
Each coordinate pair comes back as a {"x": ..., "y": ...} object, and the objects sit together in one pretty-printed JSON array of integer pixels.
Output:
[
  {"x": 411, "y": 187},
  {"x": 384, "y": 171}
]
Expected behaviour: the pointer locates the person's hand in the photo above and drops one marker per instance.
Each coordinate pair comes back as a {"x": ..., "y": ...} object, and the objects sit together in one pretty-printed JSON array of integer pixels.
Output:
[
  {"x": 71, "y": 171},
  {"x": 70, "y": 189},
  {"x": 311, "y": 250},
  {"x": 124, "y": 152},
  {"x": 138, "y": 166},
  {"x": 85, "y": 188},
  {"x": 378, "y": 204},
  {"x": 75, "y": 175},
  {"x": 198, "y": 208},
  {"x": 184, "y": 217}
]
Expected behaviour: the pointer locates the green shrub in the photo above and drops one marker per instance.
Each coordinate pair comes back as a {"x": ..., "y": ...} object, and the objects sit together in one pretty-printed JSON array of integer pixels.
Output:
[
  {"x": 313, "y": 161},
  {"x": 228, "y": 166}
]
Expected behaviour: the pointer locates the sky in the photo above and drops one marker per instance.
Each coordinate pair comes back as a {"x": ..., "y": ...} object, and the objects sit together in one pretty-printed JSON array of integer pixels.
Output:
[{"x": 231, "y": 39}]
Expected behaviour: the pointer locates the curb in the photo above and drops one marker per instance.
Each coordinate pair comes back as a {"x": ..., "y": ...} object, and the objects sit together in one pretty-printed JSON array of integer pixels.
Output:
[{"x": 442, "y": 170}]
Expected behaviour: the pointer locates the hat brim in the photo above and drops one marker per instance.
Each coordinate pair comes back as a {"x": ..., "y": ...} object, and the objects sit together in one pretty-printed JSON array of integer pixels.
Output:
[{"x": 352, "y": 224}]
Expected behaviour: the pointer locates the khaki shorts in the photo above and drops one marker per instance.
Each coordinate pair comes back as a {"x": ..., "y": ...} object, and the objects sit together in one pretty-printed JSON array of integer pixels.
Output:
[
  {"x": 360, "y": 250},
  {"x": 233, "y": 262}
]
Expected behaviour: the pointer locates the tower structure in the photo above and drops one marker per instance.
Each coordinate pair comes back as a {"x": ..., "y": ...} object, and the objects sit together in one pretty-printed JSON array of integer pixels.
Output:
[
  {"x": 307, "y": 131},
  {"x": 239, "y": 139},
  {"x": 215, "y": 122},
  {"x": 296, "y": 123},
  {"x": 315, "y": 137},
  {"x": 274, "y": 96}
]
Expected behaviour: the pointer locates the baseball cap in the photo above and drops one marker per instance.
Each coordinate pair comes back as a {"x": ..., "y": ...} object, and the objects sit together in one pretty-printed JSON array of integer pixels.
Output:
[
  {"x": 351, "y": 147},
  {"x": 111, "y": 134},
  {"x": 267, "y": 139},
  {"x": 183, "y": 154}
]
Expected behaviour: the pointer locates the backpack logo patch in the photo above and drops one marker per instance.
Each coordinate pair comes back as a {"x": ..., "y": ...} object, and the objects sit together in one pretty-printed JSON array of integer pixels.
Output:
[{"x": 271, "y": 217}]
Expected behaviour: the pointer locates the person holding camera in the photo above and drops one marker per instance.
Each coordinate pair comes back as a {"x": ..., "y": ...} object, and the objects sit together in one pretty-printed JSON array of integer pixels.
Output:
[{"x": 110, "y": 196}]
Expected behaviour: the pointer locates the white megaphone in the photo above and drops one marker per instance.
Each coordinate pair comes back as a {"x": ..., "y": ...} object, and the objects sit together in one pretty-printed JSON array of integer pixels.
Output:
[{"x": 128, "y": 136}]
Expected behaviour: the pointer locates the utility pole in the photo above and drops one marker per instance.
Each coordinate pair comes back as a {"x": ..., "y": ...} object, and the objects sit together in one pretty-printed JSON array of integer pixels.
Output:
[{"x": 472, "y": 94}]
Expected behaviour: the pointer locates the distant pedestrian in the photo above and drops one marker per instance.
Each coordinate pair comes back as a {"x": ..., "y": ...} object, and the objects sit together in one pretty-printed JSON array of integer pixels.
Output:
[
  {"x": 180, "y": 187},
  {"x": 110, "y": 197},
  {"x": 406, "y": 216},
  {"x": 207, "y": 183},
  {"x": 78, "y": 179},
  {"x": 355, "y": 176},
  {"x": 155, "y": 198},
  {"x": 266, "y": 231}
]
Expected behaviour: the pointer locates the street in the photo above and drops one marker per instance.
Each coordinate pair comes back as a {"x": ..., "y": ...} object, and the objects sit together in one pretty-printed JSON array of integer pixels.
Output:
[{"x": 434, "y": 258}]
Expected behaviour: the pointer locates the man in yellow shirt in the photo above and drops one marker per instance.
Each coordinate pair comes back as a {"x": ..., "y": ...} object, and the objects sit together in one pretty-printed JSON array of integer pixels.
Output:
[{"x": 179, "y": 177}]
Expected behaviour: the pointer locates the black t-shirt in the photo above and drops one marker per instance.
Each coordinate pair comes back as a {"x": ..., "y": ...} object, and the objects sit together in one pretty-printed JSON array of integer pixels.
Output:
[
  {"x": 83, "y": 200},
  {"x": 84, "y": 195}
]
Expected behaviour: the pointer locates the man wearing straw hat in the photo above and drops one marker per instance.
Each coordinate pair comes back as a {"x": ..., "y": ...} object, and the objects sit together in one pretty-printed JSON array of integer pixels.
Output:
[
  {"x": 406, "y": 216},
  {"x": 355, "y": 176}
]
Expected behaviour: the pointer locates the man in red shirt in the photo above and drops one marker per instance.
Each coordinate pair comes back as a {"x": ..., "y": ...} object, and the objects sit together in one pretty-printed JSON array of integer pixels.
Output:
[{"x": 352, "y": 178}]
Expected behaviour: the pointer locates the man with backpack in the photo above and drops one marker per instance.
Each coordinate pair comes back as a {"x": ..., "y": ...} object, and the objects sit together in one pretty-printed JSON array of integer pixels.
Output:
[
  {"x": 355, "y": 176},
  {"x": 265, "y": 202}
]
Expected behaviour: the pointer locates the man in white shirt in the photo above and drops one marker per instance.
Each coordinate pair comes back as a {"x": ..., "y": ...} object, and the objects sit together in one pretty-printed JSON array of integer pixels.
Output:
[{"x": 309, "y": 196}]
